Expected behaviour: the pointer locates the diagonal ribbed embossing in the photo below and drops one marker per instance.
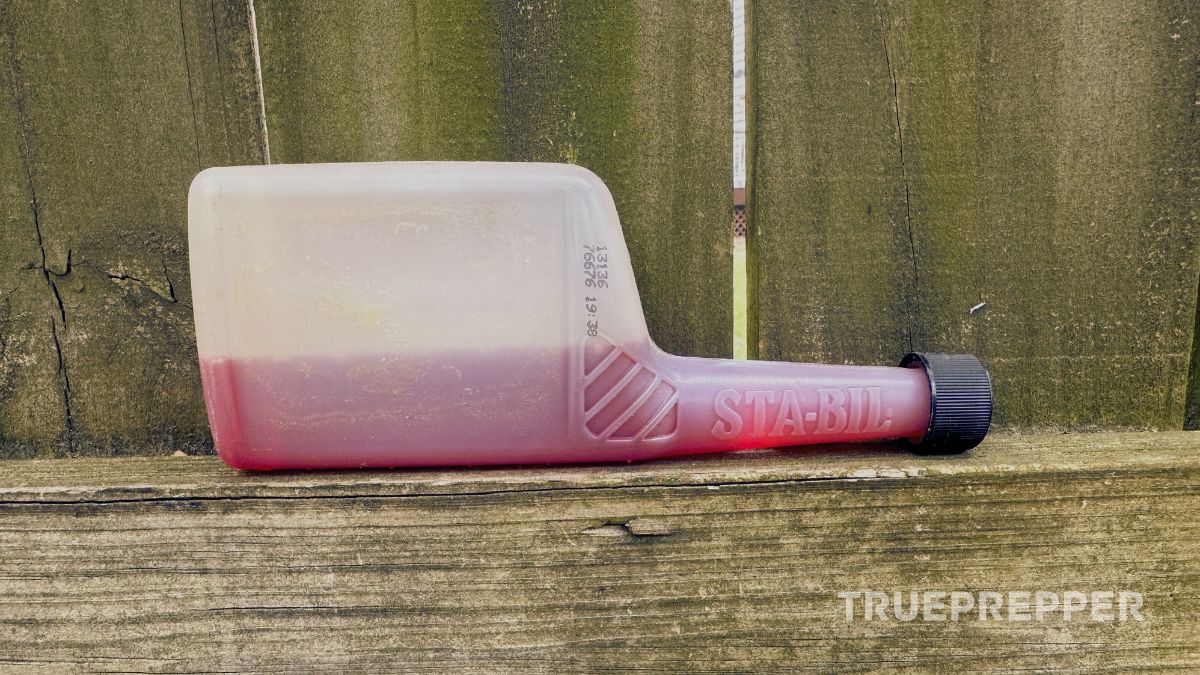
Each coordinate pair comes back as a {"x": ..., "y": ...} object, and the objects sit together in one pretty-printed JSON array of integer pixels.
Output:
[{"x": 623, "y": 398}]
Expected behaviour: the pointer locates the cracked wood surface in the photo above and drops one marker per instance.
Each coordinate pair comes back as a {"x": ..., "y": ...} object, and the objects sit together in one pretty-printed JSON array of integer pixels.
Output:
[
  {"x": 108, "y": 111},
  {"x": 1016, "y": 182},
  {"x": 178, "y": 564}
]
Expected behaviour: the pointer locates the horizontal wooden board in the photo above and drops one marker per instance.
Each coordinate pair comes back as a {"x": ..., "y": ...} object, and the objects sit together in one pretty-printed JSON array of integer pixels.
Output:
[
  {"x": 1014, "y": 181},
  {"x": 727, "y": 563}
]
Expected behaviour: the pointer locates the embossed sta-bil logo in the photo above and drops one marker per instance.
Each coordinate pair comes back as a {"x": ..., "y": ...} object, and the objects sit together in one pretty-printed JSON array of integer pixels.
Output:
[{"x": 779, "y": 413}]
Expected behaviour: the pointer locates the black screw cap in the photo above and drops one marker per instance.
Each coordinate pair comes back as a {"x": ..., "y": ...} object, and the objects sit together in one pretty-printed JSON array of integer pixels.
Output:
[{"x": 960, "y": 402}]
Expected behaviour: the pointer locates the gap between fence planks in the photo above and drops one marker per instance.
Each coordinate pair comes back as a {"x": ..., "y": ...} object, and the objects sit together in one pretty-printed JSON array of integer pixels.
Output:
[{"x": 730, "y": 562}]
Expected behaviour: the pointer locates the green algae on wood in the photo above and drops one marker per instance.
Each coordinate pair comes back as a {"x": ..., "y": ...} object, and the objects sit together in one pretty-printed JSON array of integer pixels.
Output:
[{"x": 380, "y": 81}]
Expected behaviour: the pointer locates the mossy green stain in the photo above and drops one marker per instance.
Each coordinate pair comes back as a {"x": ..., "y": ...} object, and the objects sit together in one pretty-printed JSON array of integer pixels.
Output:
[{"x": 372, "y": 82}]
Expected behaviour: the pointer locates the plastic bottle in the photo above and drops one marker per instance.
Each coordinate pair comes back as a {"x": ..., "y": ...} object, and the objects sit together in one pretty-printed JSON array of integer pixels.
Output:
[{"x": 442, "y": 313}]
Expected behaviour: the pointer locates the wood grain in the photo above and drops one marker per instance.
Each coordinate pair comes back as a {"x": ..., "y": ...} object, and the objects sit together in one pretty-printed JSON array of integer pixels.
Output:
[
  {"x": 108, "y": 111},
  {"x": 728, "y": 563},
  {"x": 1016, "y": 182},
  {"x": 380, "y": 81},
  {"x": 636, "y": 91}
]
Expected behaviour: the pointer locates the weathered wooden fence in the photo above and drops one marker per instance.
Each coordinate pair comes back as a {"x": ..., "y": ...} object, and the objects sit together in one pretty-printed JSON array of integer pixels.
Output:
[
  {"x": 1015, "y": 180},
  {"x": 112, "y": 109}
]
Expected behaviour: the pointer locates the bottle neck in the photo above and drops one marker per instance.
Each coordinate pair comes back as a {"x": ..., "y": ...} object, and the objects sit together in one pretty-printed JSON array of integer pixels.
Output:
[{"x": 732, "y": 404}]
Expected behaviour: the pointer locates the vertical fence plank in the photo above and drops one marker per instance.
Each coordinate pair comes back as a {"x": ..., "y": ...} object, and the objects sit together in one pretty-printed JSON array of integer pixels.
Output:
[
  {"x": 637, "y": 92},
  {"x": 1038, "y": 177},
  {"x": 31, "y": 390},
  {"x": 112, "y": 109},
  {"x": 829, "y": 253},
  {"x": 109, "y": 110},
  {"x": 380, "y": 81}
]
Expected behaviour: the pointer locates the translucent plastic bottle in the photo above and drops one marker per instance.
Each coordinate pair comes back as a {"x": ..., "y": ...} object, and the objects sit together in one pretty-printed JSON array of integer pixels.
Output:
[{"x": 430, "y": 313}]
